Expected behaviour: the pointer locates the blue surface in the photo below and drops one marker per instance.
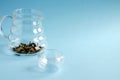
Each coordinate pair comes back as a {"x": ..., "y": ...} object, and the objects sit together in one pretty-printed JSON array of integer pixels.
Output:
[{"x": 86, "y": 31}]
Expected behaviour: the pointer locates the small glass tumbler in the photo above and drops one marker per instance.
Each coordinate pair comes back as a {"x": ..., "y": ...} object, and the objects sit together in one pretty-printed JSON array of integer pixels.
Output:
[{"x": 50, "y": 60}]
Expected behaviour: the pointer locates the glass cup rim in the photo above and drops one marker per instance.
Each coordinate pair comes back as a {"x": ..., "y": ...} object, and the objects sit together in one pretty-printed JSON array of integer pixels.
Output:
[{"x": 28, "y": 11}]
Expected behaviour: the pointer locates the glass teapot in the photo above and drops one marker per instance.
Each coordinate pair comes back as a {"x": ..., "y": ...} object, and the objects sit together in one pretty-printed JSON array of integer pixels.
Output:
[{"x": 26, "y": 33}]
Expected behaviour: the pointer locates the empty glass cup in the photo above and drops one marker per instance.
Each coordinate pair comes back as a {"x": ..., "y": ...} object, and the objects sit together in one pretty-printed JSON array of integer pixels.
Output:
[
  {"x": 50, "y": 60},
  {"x": 26, "y": 33}
]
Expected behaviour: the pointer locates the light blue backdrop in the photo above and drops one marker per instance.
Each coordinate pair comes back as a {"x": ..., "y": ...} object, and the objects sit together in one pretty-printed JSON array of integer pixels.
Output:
[{"x": 86, "y": 31}]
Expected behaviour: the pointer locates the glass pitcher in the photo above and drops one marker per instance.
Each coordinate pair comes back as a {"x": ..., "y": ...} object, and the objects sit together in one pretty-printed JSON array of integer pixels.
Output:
[{"x": 26, "y": 33}]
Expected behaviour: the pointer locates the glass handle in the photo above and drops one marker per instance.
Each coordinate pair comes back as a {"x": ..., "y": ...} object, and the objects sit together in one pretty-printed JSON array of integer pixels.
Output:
[{"x": 1, "y": 21}]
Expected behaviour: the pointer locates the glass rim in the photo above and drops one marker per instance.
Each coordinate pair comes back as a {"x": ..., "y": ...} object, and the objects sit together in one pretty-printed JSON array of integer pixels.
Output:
[
  {"x": 27, "y": 10},
  {"x": 47, "y": 51}
]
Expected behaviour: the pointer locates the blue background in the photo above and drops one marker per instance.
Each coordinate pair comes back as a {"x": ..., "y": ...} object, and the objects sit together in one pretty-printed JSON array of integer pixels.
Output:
[{"x": 86, "y": 31}]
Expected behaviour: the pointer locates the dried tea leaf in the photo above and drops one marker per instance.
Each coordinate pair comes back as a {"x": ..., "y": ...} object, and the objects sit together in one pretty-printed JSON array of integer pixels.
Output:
[{"x": 30, "y": 48}]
